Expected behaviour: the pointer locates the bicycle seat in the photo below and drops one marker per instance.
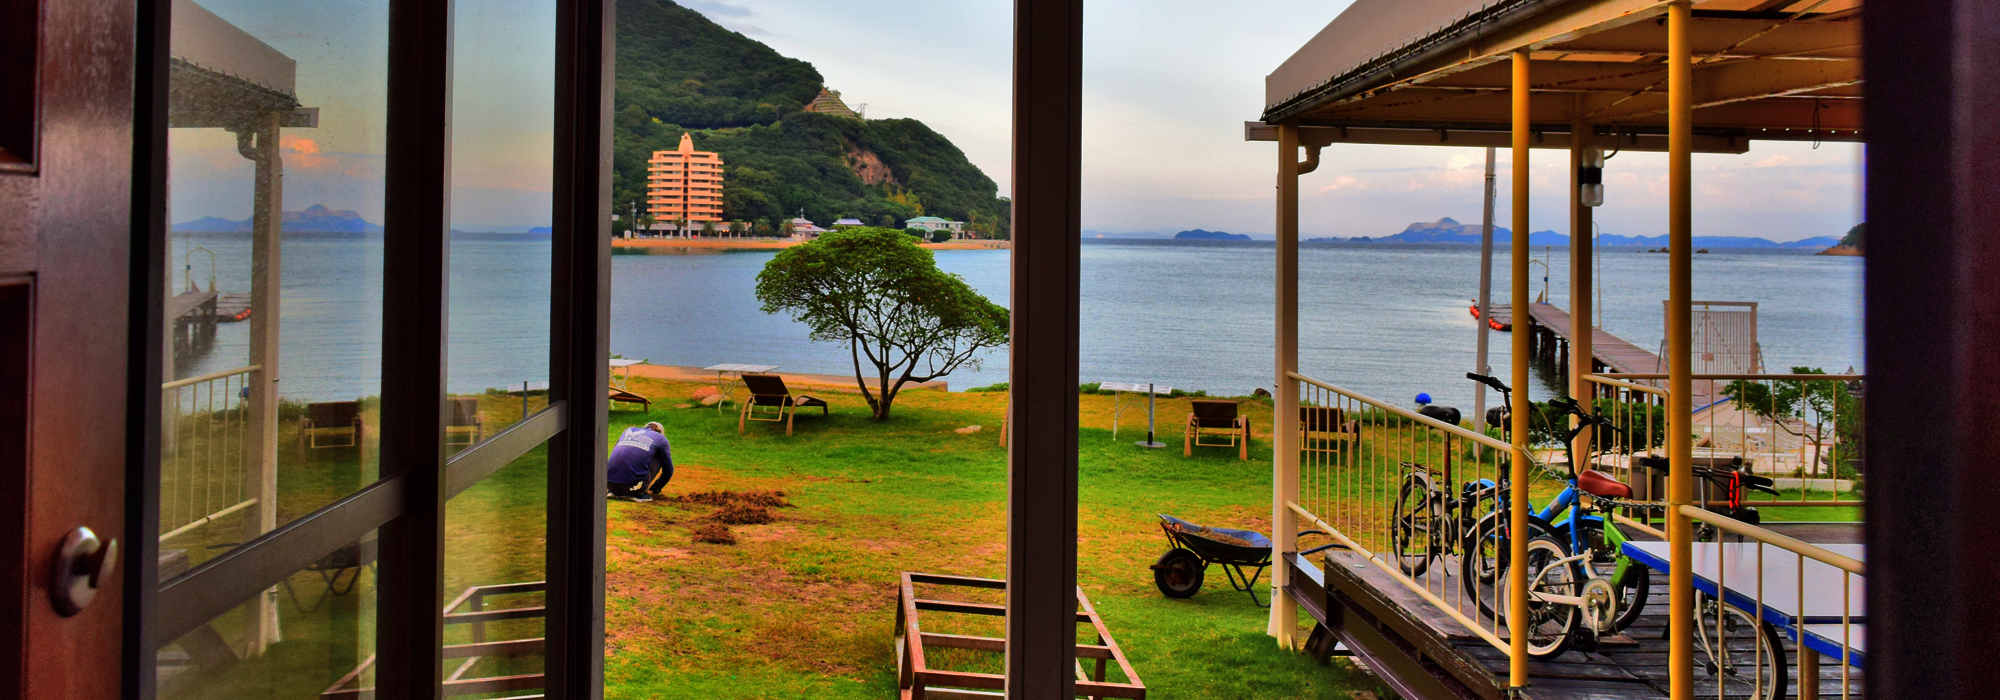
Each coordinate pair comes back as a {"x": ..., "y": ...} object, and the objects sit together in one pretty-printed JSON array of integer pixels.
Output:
[{"x": 1597, "y": 483}]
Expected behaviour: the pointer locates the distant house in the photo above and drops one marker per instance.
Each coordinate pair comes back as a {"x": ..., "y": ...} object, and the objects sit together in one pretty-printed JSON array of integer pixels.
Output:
[
  {"x": 803, "y": 228},
  {"x": 845, "y": 223},
  {"x": 933, "y": 223}
]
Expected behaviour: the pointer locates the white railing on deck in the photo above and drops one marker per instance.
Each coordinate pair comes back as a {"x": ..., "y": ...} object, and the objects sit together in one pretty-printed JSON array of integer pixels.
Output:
[
  {"x": 1353, "y": 452},
  {"x": 1799, "y": 592},
  {"x": 205, "y": 450},
  {"x": 1800, "y": 429}
]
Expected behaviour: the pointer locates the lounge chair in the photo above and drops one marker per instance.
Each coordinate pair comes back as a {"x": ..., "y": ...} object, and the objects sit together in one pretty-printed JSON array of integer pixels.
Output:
[
  {"x": 1212, "y": 418},
  {"x": 623, "y": 396},
  {"x": 339, "y": 422},
  {"x": 1325, "y": 429},
  {"x": 462, "y": 419},
  {"x": 771, "y": 402}
]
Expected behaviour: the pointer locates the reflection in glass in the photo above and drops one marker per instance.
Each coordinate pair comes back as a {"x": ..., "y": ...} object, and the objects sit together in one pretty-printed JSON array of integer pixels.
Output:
[
  {"x": 503, "y": 145},
  {"x": 495, "y": 570},
  {"x": 276, "y": 117},
  {"x": 322, "y": 633}
]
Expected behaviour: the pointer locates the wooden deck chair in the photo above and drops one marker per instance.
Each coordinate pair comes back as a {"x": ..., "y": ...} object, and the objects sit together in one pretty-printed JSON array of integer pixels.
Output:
[
  {"x": 338, "y": 422},
  {"x": 771, "y": 402},
  {"x": 462, "y": 419},
  {"x": 1213, "y": 418},
  {"x": 1327, "y": 429},
  {"x": 623, "y": 396}
]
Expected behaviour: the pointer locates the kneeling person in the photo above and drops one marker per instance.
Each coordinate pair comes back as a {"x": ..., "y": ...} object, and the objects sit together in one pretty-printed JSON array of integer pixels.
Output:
[{"x": 641, "y": 459}]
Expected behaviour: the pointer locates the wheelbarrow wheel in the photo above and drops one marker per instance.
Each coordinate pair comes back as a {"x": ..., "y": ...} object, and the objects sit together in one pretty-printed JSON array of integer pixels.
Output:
[{"x": 1179, "y": 573}]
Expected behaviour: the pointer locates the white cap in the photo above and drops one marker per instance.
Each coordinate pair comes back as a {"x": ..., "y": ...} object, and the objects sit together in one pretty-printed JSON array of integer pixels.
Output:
[{"x": 655, "y": 427}]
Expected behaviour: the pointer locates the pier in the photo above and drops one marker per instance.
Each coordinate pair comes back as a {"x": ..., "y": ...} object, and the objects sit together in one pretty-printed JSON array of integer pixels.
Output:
[{"x": 1550, "y": 334}]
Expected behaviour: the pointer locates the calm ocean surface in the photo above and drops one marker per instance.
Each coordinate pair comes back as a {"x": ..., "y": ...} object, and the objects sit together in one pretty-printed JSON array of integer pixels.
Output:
[{"x": 1386, "y": 321}]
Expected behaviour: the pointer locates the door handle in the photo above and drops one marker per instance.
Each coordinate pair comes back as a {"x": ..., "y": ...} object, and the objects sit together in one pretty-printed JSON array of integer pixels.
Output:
[{"x": 82, "y": 563}]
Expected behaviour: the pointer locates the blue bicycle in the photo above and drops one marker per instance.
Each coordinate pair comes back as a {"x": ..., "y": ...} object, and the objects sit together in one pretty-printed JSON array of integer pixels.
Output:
[{"x": 1581, "y": 584}]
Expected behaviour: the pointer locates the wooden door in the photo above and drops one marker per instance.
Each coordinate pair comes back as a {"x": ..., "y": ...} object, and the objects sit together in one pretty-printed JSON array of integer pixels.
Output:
[{"x": 66, "y": 145}]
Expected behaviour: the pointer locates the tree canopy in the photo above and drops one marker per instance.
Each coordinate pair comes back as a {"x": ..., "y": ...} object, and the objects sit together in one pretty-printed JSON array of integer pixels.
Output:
[
  {"x": 883, "y": 295},
  {"x": 679, "y": 67},
  {"x": 679, "y": 73}
]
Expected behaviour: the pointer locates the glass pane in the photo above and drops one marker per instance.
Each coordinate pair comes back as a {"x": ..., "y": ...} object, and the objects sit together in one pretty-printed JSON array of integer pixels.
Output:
[
  {"x": 503, "y": 141},
  {"x": 495, "y": 535},
  {"x": 313, "y": 633},
  {"x": 274, "y": 306}
]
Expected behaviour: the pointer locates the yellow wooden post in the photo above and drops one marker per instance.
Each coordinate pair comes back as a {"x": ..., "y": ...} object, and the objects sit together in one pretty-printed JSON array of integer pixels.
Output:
[
  {"x": 1517, "y": 575},
  {"x": 1680, "y": 445},
  {"x": 1284, "y": 437},
  {"x": 1580, "y": 274}
]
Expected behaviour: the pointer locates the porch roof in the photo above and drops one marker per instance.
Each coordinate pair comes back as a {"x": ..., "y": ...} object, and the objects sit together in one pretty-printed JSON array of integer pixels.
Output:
[{"x": 1437, "y": 71}]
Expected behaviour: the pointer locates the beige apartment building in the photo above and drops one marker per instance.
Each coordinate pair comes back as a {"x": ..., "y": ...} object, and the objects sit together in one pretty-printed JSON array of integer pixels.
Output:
[{"x": 685, "y": 184}]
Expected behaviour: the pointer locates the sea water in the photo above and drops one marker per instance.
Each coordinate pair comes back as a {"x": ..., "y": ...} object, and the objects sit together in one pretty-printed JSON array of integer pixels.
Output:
[{"x": 1384, "y": 320}]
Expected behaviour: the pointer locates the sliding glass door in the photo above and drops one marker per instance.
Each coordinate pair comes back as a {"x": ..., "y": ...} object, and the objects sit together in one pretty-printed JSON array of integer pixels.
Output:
[{"x": 381, "y": 350}]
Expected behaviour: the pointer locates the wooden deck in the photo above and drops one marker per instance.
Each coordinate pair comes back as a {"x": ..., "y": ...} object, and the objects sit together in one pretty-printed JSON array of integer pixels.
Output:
[{"x": 1424, "y": 653}]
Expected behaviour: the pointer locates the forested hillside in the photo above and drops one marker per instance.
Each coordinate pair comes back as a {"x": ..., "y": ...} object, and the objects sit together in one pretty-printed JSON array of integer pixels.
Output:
[{"x": 678, "y": 72}]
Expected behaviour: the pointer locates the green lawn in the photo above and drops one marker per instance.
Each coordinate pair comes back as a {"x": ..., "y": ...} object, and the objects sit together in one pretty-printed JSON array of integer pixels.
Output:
[{"x": 802, "y": 607}]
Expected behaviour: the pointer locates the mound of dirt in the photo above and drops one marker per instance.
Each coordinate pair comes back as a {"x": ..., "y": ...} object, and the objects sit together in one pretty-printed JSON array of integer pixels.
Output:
[
  {"x": 742, "y": 514},
  {"x": 714, "y": 533},
  {"x": 765, "y": 499}
]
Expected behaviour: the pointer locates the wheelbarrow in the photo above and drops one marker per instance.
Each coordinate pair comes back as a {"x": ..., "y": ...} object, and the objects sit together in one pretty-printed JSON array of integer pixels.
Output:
[{"x": 1179, "y": 573}]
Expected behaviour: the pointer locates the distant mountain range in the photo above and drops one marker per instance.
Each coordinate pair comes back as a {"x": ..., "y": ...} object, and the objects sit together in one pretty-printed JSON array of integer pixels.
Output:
[
  {"x": 314, "y": 219},
  {"x": 1449, "y": 231}
]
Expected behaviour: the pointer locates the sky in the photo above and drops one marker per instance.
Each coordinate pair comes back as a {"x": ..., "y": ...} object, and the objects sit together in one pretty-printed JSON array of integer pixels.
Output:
[
  {"x": 1167, "y": 87},
  {"x": 503, "y": 119}
]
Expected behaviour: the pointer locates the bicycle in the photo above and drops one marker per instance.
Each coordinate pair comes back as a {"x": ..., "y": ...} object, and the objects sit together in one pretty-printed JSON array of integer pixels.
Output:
[{"x": 1582, "y": 581}]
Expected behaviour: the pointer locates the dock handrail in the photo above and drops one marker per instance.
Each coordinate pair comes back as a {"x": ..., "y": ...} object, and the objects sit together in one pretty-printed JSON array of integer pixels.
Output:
[
  {"x": 1456, "y": 430},
  {"x": 1358, "y": 456},
  {"x": 1798, "y": 612}
]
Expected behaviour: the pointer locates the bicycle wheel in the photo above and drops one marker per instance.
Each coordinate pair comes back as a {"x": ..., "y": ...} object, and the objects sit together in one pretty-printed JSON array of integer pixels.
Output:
[
  {"x": 1550, "y": 625},
  {"x": 1484, "y": 557},
  {"x": 1413, "y": 525},
  {"x": 1741, "y": 655},
  {"x": 1604, "y": 562}
]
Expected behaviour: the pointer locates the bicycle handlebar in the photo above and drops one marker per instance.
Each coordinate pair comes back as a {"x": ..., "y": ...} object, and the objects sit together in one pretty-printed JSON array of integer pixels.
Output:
[{"x": 1489, "y": 381}]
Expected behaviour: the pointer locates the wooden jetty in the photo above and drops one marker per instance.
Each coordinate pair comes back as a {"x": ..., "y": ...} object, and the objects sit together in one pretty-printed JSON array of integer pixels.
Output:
[
  {"x": 1551, "y": 334},
  {"x": 1422, "y": 652}
]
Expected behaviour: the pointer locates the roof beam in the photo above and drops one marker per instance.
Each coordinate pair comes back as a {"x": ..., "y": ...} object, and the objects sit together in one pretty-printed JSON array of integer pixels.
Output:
[
  {"x": 1719, "y": 36},
  {"x": 1739, "y": 82}
]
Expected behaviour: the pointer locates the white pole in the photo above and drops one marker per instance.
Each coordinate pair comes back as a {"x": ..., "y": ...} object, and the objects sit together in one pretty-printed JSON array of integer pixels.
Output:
[{"x": 1485, "y": 300}]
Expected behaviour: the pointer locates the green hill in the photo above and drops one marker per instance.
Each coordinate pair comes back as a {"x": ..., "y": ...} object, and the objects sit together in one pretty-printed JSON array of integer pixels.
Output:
[{"x": 679, "y": 72}]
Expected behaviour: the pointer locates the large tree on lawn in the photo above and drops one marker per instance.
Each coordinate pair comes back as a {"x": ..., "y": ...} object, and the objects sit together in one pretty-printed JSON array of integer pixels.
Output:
[{"x": 882, "y": 294}]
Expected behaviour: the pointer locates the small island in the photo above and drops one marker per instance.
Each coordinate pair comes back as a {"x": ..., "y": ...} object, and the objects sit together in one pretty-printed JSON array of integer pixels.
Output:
[
  {"x": 1849, "y": 244},
  {"x": 1200, "y": 235}
]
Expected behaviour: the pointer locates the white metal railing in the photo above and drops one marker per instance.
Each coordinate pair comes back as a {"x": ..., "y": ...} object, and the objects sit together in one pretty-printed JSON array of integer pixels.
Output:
[
  {"x": 1800, "y": 430},
  {"x": 1755, "y": 594},
  {"x": 1385, "y": 483},
  {"x": 206, "y": 452}
]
